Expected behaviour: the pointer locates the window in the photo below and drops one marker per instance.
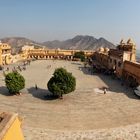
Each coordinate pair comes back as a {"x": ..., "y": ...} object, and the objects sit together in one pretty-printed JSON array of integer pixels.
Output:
[
  {"x": 119, "y": 64},
  {"x": 115, "y": 62}
]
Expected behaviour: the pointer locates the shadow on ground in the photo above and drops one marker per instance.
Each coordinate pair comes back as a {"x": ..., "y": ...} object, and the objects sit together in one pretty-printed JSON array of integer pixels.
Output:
[
  {"x": 4, "y": 91},
  {"x": 76, "y": 63},
  {"x": 42, "y": 94},
  {"x": 86, "y": 70},
  {"x": 115, "y": 85}
]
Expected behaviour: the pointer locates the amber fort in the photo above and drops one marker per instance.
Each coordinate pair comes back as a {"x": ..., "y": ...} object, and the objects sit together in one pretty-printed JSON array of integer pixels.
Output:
[
  {"x": 82, "y": 113},
  {"x": 121, "y": 60}
]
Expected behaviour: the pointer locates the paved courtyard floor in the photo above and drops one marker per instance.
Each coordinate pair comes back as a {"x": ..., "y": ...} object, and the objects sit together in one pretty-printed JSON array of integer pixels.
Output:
[{"x": 84, "y": 114}]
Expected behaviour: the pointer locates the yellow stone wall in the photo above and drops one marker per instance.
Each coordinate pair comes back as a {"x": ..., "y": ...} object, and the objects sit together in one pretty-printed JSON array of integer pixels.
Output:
[
  {"x": 5, "y": 54},
  {"x": 10, "y": 127},
  {"x": 132, "y": 69},
  {"x": 6, "y": 57},
  {"x": 14, "y": 132},
  {"x": 123, "y": 61},
  {"x": 57, "y": 52}
]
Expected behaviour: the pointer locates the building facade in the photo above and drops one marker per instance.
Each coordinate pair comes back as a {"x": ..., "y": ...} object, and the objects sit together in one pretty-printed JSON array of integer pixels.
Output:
[
  {"x": 29, "y": 52},
  {"x": 5, "y": 54},
  {"x": 116, "y": 60},
  {"x": 55, "y": 53},
  {"x": 121, "y": 61},
  {"x": 131, "y": 73}
]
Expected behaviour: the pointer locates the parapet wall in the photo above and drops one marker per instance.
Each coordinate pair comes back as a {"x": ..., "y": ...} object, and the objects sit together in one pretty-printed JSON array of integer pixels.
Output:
[
  {"x": 10, "y": 127},
  {"x": 132, "y": 69}
]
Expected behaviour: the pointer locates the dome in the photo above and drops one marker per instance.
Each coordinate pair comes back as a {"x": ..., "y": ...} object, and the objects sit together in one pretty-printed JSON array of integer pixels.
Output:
[
  {"x": 101, "y": 49},
  {"x": 106, "y": 49},
  {"x": 130, "y": 41},
  {"x": 122, "y": 42}
]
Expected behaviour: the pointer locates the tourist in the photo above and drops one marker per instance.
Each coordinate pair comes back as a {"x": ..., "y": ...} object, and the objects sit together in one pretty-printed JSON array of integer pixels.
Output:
[
  {"x": 7, "y": 68},
  {"x": 4, "y": 73},
  {"x": 105, "y": 90},
  {"x": 36, "y": 87},
  {"x": 19, "y": 68},
  {"x": 14, "y": 69},
  {"x": 61, "y": 96},
  {"x": 24, "y": 68}
]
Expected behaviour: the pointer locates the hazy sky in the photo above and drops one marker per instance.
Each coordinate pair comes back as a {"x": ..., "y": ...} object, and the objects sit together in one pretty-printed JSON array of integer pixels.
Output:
[{"x": 43, "y": 20}]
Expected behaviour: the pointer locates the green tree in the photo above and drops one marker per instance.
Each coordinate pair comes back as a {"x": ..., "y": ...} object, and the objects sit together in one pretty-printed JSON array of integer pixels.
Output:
[
  {"x": 61, "y": 83},
  {"x": 14, "y": 82},
  {"x": 80, "y": 55}
]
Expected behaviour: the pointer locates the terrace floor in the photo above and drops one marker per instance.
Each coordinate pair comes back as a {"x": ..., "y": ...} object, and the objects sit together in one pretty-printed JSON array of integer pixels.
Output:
[{"x": 84, "y": 110}]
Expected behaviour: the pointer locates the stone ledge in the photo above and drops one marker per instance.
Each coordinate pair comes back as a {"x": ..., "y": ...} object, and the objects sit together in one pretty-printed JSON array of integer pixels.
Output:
[{"x": 6, "y": 119}]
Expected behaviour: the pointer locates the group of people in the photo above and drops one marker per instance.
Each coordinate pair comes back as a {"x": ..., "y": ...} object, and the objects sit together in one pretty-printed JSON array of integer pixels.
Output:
[
  {"x": 17, "y": 68},
  {"x": 49, "y": 66}
]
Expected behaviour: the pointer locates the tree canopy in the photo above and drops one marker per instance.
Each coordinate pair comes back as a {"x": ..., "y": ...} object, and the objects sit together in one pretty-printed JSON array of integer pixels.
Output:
[
  {"x": 80, "y": 55},
  {"x": 14, "y": 82},
  {"x": 62, "y": 82}
]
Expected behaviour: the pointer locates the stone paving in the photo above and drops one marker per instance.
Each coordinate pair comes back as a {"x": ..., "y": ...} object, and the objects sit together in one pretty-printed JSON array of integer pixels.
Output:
[{"x": 86, "y": 113}]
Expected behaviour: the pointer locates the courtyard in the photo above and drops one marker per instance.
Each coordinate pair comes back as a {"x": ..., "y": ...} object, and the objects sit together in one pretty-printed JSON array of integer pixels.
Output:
[{"x": 82, "y": 111}]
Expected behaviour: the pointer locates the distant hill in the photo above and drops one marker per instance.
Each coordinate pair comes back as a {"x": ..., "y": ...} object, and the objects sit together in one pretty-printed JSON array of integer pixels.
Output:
[
  {"x": 80, "y": 42},
  {"x": 18, "y": 42}
]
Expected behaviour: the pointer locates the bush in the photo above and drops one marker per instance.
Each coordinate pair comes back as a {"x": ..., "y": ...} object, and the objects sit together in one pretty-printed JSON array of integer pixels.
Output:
[
  {"x": 61, "y": 83},
  {"x": 14, "y": 82},
  {"x": 80, "y": 55}
]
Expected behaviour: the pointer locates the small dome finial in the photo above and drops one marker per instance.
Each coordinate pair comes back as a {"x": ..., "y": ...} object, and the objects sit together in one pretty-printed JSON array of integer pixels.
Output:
[
  {"x": 106, "y": 49},
  {"x": 122, "y": 42},
  {"x": 130, "y": 41},
  {"x": 101, "y": 49}
]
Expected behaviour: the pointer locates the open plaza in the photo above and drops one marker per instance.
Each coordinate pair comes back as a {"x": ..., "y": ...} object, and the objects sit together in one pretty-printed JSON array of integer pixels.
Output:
[{"x": 85, "y": 114}]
